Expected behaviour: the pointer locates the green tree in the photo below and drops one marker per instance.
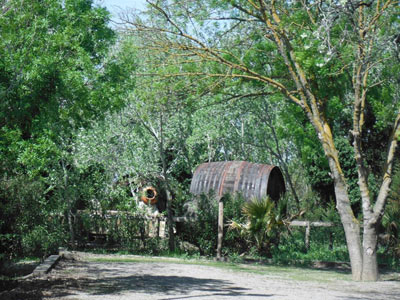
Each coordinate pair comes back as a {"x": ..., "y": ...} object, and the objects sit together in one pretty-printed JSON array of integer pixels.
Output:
[
  {"x": 50, "y": 54},
  {"x": 306, "y": 48},
  {"x": 54, "y": 79},
  {"x": 147, "y": 138}
]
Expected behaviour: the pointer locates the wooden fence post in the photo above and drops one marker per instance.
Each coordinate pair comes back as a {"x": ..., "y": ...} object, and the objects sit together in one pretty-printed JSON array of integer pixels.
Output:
[
  {"x": 308, "y": 225},
  {"x": 220, "y": 227},
  {"x": 307, "y": 237}
]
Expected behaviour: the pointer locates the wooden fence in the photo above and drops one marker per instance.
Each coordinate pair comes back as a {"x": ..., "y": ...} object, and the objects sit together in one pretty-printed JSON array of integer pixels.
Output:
[{"x": 157, "y": 224}]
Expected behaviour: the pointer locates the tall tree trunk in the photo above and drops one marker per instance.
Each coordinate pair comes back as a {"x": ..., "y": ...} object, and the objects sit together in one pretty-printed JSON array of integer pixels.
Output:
[
  {"x": 71, "y": 228},
  {"x": 170, "y": 219},
  {"x": 171, "y": 234},
  {"x": 370, "y": 260},
  {"x": 67, "y": 199},
  {"x": 351, "y": 228},
  {"x": 351, "y": 225},
  {"x": 372, "y": 215}
]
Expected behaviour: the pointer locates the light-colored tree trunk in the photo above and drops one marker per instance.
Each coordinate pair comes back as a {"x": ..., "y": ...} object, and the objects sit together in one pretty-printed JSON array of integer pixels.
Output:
[
  {"x": 71, "y": 228},
  {"x": 351, "y": 225},
  {"x": 370, "y": 259},
  {"x": 68, "y": 200},
  {"x": 170, "y": 219},
  {"x": 373, "y": 214}
]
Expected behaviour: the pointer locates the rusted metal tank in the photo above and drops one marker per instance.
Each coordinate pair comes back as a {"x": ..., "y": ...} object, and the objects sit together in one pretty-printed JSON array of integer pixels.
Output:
[{"x": 252, "y": 180}]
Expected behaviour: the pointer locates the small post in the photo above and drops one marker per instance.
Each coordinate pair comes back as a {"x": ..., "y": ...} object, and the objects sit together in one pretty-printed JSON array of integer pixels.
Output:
[
  {"x": 158, "y": 227},
  {"x": 307, "y": 237},
  {"x": 330, "y": 240},
  {"x": 220, "y": 228}
]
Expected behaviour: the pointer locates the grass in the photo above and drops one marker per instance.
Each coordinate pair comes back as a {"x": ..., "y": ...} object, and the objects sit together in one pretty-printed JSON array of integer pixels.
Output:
[
  {"x": 283, "y": 272},
  {"x": 27, "y": 259}
]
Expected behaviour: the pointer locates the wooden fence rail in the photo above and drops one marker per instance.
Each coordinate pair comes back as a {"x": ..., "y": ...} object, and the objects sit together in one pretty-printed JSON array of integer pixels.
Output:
[
  {"x": 308, "y": 225},
  {"x": 296, "y": 223}
]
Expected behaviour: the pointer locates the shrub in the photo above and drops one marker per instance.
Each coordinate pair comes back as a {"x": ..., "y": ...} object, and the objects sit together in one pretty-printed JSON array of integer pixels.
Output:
[
  {"x": 204, "y": 230},
  {"x": 43, "y": 240},
  {"x": 391, "y": 219},
  {"x": 264, "y": 223}
]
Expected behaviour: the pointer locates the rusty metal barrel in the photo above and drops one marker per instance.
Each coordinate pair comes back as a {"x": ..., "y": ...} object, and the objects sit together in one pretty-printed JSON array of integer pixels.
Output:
[{"x": 250, "y": 179}]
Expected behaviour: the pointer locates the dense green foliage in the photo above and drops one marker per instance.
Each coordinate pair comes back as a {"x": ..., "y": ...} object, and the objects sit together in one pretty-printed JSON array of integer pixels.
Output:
[
  {"x": 202, "y": 232},
  {"x": 90, "y": 116},
  {"x": 264, "y": 223},
  {"x": 54, "y": 80},
  {"x": 391, "y": 220}
]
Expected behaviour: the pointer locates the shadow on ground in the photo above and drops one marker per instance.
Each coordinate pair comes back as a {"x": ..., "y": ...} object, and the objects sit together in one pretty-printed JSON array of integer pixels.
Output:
[
  {"x": 168, "y": 285},
  {"x": 112, "y": 283},
  {"x": 71, "y": 278}
]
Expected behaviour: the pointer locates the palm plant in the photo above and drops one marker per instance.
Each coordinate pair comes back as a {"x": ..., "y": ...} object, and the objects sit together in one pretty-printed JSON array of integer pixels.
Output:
[{"x": 264, "y": 222}]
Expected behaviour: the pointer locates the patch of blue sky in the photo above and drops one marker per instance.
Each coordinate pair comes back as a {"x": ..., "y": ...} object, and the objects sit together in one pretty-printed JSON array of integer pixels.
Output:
[{"x": 119, "y": 6}]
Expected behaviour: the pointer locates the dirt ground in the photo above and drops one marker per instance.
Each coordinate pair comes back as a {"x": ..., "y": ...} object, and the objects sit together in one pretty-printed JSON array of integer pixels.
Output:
[{"x": 90, "y": 277}]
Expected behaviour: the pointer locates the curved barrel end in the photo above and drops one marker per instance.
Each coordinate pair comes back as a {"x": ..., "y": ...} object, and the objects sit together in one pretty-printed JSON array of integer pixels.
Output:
[{"x": 276, "y": 184}]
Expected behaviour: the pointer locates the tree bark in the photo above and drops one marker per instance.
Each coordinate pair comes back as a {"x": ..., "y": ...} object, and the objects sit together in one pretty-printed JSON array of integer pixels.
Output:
[
  {"x": 171, "y": 234},
  {"x": 351, "y": 225},
  {"x": 370, "y": 260},
  {"x": 170, "y": 219},
  {"x": 372, "y": 216},
  {"x": 71, "y": 228},
  {"x": 67, "y": 199},
  {"x": 351, "y": 228}
]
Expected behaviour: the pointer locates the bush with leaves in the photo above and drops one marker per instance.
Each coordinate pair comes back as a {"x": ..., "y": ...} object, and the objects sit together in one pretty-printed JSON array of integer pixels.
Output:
[
  {"x": 28, "y": 227},
  {"x": 264, "y": 223},
  {"x": 391, "y": 219},
  {"x": 203, "y": 231},
  {"x": 233, "y": 210},
  {"x": 44, "y": 239}
]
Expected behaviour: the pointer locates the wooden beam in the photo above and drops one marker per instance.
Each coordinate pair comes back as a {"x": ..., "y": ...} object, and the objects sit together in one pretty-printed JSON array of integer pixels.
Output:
[
  {"x": 308, "y": 225},
  {"x": 312, "y": 224}
]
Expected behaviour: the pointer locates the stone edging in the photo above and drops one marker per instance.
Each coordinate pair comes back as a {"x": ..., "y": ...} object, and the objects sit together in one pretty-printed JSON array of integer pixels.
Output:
[{"x": 46, "y": 266}]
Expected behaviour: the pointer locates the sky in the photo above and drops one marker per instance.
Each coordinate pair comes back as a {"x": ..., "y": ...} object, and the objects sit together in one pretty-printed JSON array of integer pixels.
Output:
[{"x": 115, "y": 6}]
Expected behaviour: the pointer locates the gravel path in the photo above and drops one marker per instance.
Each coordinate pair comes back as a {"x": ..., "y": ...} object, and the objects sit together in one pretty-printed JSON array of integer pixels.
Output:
[{"x": 88, "y": 280}]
